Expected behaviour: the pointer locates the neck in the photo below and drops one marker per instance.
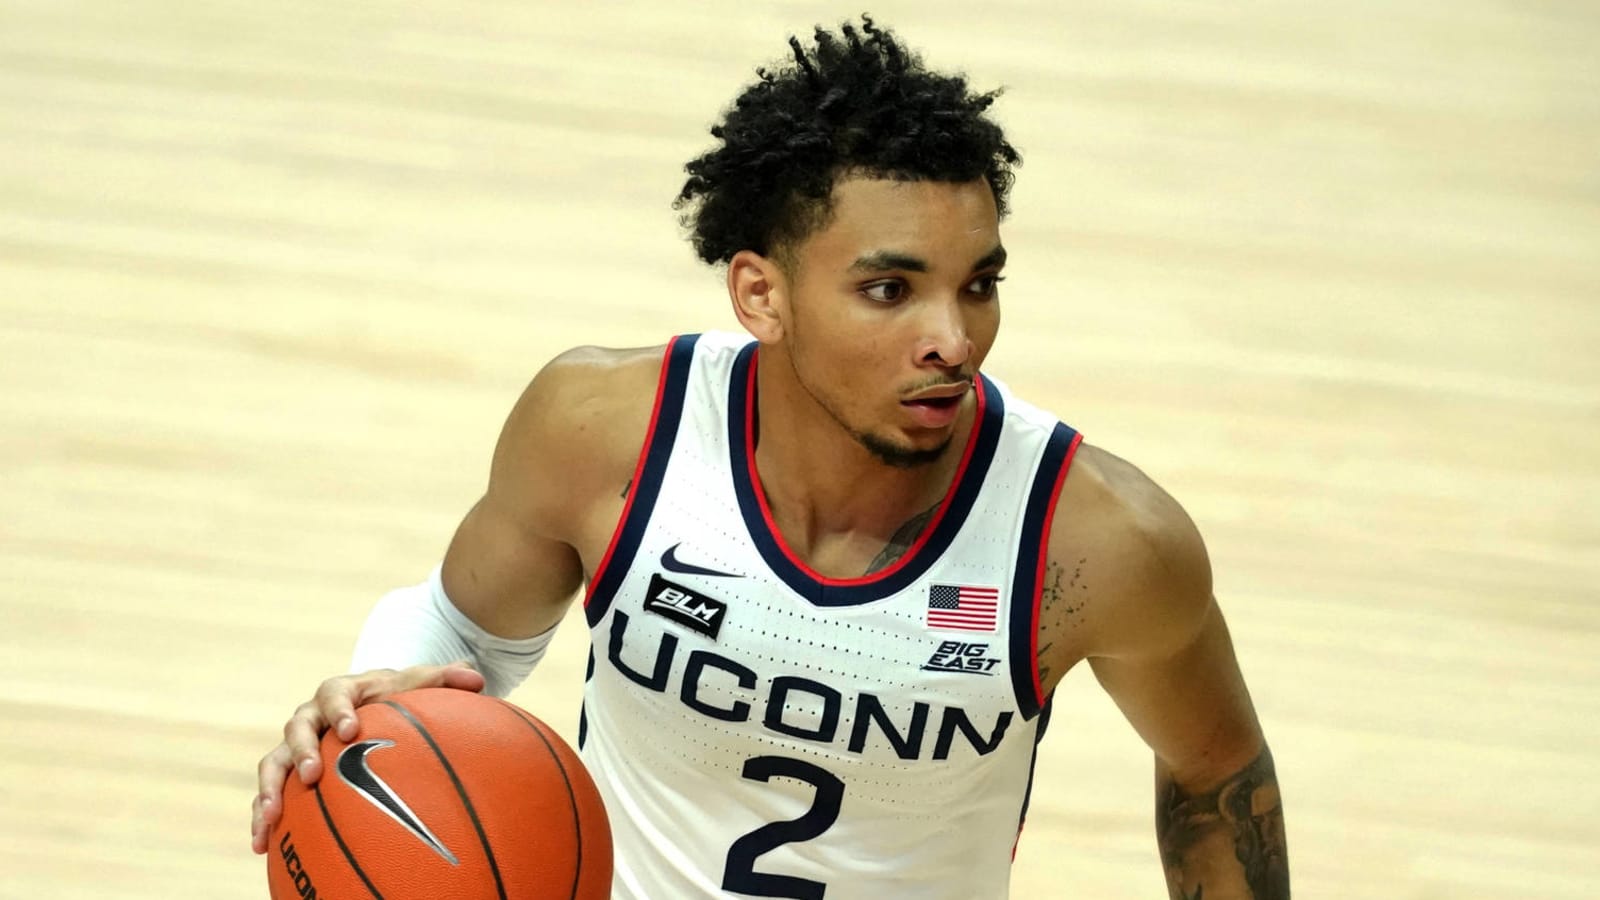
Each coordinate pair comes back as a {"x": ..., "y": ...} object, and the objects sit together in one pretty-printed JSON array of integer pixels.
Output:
[{"x": 836, "y": 504}]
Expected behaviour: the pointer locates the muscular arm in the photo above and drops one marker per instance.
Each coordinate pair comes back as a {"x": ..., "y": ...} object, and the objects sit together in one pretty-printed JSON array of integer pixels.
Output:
[
  {"x": 1219, "y": 819},
  {"x": 1243, "y": 816},
  {"x": 1129, "y": 588},
  {"x": 568, "y": 447},
  {"x": 518, "y": 557}
]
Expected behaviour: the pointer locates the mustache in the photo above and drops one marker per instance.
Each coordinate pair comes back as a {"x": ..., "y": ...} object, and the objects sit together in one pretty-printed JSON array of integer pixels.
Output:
[{"x": 965, "y": 378}]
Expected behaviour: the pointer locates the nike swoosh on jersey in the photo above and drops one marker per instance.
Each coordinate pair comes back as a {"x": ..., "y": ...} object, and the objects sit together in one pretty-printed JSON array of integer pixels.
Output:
[
  {"x": 354, "y": 771},
  {"x": 671, "y": 562}
]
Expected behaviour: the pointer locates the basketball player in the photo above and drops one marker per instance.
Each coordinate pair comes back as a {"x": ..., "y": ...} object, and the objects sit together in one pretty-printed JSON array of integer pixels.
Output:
[{"x": 834, "y": 572}]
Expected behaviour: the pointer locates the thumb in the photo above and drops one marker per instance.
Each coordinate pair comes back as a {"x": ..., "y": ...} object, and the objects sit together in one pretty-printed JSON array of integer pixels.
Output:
[{"x": 461, "y": 675}]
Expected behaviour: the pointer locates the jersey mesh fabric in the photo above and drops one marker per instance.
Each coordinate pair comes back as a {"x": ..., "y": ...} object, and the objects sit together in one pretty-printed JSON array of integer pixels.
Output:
[{"x": 898, "y": 754}]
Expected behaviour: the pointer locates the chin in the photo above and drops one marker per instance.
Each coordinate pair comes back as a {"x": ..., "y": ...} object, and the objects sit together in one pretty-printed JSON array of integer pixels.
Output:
[{"x": 901, "y": 456}]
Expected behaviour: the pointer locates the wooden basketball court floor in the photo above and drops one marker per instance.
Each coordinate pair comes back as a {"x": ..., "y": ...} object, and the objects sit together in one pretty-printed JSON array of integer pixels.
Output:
[{"x": 271, "y": 275}]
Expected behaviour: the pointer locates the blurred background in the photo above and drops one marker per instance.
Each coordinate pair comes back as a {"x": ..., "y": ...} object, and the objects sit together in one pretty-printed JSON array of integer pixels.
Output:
[{"x": 271, "y": 276}]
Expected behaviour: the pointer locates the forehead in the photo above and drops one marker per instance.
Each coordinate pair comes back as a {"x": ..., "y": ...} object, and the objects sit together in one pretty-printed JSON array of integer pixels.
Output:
[{"x": 943, "y": 222}]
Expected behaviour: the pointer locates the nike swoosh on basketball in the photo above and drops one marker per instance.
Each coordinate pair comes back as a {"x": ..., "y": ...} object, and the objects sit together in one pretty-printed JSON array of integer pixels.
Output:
[
  {"x": 671, "y": 562},
  {"x": 354, "y": 771}
]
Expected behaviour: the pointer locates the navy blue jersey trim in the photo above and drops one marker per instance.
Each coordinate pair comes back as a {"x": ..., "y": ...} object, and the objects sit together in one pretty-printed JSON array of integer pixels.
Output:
[
  {"x": 1030, "y": 558},
  {"x": 669, "y": 412},
  {"x": 1038, "y": 738},
  {"x": 804, "y": 583},
  {"x": 583, "y": 708}
]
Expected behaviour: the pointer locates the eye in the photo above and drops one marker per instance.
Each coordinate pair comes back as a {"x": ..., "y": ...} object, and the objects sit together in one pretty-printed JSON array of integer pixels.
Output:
[
  {"x": 985, "y": 285},
  {"x": 885, "y": 291}
]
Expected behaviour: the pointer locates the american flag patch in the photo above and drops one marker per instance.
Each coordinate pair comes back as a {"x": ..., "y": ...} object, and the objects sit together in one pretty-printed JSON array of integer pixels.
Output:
[{"x": 963, "y": 607}]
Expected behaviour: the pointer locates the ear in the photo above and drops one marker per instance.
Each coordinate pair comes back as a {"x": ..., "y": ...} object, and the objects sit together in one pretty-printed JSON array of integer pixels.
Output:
[{"x": 758, "y": 289}]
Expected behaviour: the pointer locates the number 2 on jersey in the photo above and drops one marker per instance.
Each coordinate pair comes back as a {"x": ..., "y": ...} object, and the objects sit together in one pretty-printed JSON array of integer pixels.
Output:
[{"x": 739, "y": 875}]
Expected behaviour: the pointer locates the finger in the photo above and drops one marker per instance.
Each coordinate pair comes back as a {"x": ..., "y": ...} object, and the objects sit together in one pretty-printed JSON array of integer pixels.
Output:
[
  {"x": 267, "y": 807},
  {"x": 272, "y": 772},
  {"x": 339, "y": 709},
  {"x": 258, "y": 836},
  {"x": 302, "y": 734},
  {"x": 458, "y": 674},
  {"x": 265, "y": 815},
  {"x": 461, "y": 676}
]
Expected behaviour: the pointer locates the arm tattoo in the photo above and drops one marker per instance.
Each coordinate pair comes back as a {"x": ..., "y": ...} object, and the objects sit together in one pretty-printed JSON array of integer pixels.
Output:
[
  {"x": 1245, "y": 812},
  {"x": 902, "y": 540},
  {"x": 1057, "y": 603},
  {"x": 626, "y": 488}
]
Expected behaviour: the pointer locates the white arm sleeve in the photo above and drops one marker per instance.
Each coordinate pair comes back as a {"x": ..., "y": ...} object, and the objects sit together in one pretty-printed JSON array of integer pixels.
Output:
[{"x": 418, "y": 625}]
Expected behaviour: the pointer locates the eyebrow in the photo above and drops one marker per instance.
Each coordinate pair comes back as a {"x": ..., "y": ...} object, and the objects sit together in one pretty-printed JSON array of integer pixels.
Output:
[
  {"x": 885, "y": 260},
  {"x": 992, "y": 260},
  {"x": 889, "y": 260}
]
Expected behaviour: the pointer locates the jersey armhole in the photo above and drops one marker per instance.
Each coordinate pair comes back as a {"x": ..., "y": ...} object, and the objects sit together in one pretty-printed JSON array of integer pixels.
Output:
[
  {"x": 648, "y": 472},
  {"x": 1028, "y": 584}
]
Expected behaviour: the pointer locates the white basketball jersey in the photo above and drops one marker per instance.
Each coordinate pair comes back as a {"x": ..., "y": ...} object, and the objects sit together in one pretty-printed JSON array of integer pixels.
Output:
[{"x": 759, "y": 730}]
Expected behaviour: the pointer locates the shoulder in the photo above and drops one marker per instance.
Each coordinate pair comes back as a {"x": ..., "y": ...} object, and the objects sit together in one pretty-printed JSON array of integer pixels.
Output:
[
  {"x": 1139, "y": 575},
  {"x": 577, "y": 428},
  {"x": 587, "y": 388}
]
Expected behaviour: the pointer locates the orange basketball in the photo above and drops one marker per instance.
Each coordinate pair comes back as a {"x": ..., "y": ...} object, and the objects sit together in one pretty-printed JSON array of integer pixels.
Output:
[{"x": 444, "y": 795}]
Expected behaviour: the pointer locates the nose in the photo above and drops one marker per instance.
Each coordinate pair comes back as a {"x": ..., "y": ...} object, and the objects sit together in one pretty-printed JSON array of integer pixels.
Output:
[{"x": 944, "y": 340}]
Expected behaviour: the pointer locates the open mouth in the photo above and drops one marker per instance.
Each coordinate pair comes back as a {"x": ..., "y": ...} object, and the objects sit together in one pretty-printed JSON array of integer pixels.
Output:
[{"x": 935, "y": 402}]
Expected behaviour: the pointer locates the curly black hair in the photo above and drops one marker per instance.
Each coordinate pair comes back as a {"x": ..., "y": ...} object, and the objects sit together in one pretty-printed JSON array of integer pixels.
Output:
[{"x": 854, "y": 103}]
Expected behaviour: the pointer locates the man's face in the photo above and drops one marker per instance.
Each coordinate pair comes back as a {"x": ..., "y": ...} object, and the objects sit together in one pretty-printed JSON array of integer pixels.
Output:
[{"x": 892, "y": 308}]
